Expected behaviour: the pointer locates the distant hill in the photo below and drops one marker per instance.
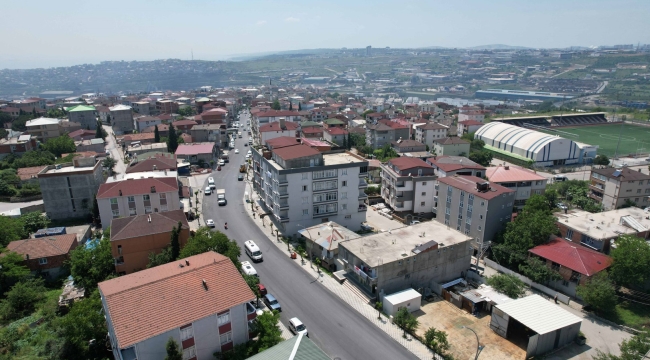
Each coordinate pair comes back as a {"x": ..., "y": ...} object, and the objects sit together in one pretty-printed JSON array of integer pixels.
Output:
[{"x": 498, "y": 47}]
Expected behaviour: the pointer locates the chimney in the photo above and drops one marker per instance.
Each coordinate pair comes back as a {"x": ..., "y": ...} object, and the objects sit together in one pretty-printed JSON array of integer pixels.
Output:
[
  {"x": 205, "y": 284},
  {"x": 282, "y": 124},
  {"x": 149, "y": 218},
  {"x": 153, "y": 189},
  {"x": 187, "y": 262},
  {"x": 120, "y": 192},
  {"x": 507, "y": 167},
  {"x": 154, "y": 168}
]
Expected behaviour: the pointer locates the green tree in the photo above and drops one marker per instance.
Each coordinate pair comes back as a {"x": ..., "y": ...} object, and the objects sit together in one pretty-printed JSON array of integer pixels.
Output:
[
  {"x": 252, "y": 282},
  {"x": 536, "y": 270},
  {"x": 276, "y": 105},
  {"x": 11, "y": 230},
  {"x": 405, "y": 320},
  {"x": 207, "y": 240},
  {"x": 156, "y": 134},
  {"x": 110, "y": 164},
  {"x": 22, "y": 299},
  {"x": 357, "y": 140},
  {"x": 161, "y": 258},
  {"x": 60, "y": 145},
  {"x": 379, "y": 306},
  {"x": 12, "y": 270},
  {"x": 268, "y": 331},
  {"x": 365, "y": 113},
  {"x": 299, "y": 107},
  {"x": 631, "y": 261},
  {"x": 601, "y": 160},
  {"x": 172, "y": 140},
  {"x": 175, "y": 243},
  {"x": 99, "y": 134},
  {"x": 34, "y": 221},
  {"x": 108, "y": 119},
  {"x": 634, "y": 348},
  {"x": 173, "y": 350},
  {"x": 482, "y": 157},
  {"x": 91, "y": 265},
  {"x": 436, "y": 340},
  {"x": 345, "y": 142},
  {"x": 6, "y": 189},
  {"x": 290, "y": 106},
  {"x": 508, "y": 284},
  {"x": 84, "y": 322},
  {"x": 598, "y": 292}
]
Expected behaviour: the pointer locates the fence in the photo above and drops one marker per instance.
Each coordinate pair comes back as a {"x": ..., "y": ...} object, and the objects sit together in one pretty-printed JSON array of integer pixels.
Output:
[{"x": 550, "y": 292}]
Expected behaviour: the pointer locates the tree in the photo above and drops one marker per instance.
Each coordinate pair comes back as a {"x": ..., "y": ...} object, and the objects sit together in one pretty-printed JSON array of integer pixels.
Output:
[
  {"x": 207, "y": 240},
  {"x": 436, "y": 340},
  {"x": 252, "y": 282},
  {"x": 508, "y": 284},
  {"x": 172, "y": 140},
  {"x": 173, "y": 350},
  {"x": 156, "y": 134},
  {"x": 290, "y": 106},
  {"x": 276, "y": 105},
  {"x": 110, "y": 164},
  {"x": 108, "y": 119},
  {"x": 99, "y": 134},
  {"x": 34, "y": 221},
  {"x": 299, "y": 106},
  {"x": 356, "y": 140},
  {"x": 631, "y": 261},
  {"x": 349, "y": 142},
  {"x": 6, "y": 189},
  {"x": 601, "y": 160},
  {"x": 536, "y": 270},
  {"x": 13, "y": 270},
  {"x": 405, "y": 320},
  {"x": 269, "y": 333},
  {"x": 482, "y": 157},
  {"x": 365, "y": 113},
  {"x": 345, "y": 142},
  {"x": 84, "y": 322},
  {"x": 163, "y": 257},
  {"x": 22, "y": 299},
  {"x": 11, "y": 230},
  {"x": 60, "y": 145},
  {"x": 379, "y": 306},
  {"x": 598, "y": 292},
  {"x": 91, "y": 265},
  {"x": 175, "y": 244},
  {"x": 634, "y": 348}
]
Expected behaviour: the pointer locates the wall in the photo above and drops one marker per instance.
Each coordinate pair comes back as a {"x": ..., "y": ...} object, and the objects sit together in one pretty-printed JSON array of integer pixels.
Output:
[
  {"x": 135, "y": 251},
  {"x": 87, "y": 119},
  {"x": 452, "y": 149},
  {"x": 57, "y": 192},
  {"x": 122, "y": 121},
  {"x": 106, "y": 213}
]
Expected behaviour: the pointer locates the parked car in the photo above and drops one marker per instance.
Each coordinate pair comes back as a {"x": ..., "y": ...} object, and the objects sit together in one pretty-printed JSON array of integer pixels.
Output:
[
  {"x": 209, "y": 222},
  {"x": 240, "y": 177},
  {"x": 271, "y": 302},
  {"x": 207, "y": 191},
  {"x": 245, "y": 144},
  {"x": 262, "y": 289},
  {"x": 249, "y": 269},
  {"x": 366, "y": 227},
  {"x": 211, "y": 183},
  {"x": 297, "y": 327},
  {"x": 562, "y": 206},
  {"x": 222, "y": 162},
  {"x": 415, "y": 222},
  {"x": 236, "y": 151}
]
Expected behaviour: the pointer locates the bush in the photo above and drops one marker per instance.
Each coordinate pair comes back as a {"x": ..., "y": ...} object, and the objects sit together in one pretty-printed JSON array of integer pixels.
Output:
[{"x": 508, "y": 284}]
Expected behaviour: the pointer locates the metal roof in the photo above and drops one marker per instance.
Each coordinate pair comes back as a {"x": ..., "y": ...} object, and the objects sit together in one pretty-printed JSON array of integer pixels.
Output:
[
  {"x": 402, "y": 296},
  {"x": 538, "y": 314}
]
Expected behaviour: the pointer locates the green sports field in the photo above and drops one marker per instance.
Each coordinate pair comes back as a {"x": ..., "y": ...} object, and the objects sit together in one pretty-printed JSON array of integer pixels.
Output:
[{"x": 634, "y": 138}]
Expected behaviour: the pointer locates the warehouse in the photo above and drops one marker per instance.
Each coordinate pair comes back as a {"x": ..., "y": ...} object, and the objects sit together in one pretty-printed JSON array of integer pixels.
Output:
[
  {"x": 529, "y": 145},
  {"x": 535, "y": 323}
]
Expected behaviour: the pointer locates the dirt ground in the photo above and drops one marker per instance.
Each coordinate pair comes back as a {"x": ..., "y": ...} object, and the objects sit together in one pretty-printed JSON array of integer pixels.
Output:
[{"x": 445, "y": 316}]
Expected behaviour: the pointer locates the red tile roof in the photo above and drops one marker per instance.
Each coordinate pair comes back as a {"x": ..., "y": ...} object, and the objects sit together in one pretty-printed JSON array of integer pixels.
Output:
[
  {"x": 153, "y": 301},
  {"x": 161, "y": 127},
  {"x": 166, "y": 162},
  {"x": 393, "y": 124},
  {"x": 276, "y": 113},
  {"x": 81, "y": 132},
  {"x": 432, "y": 126},
  {"x": 573, "y": 256},
  {"x": 275, "y": 126},
  {"x": 511, "y": 173},
  {"x": 139, "y": 225},
  {"x": 136, "y": 187},
  {"x": 404, "y": 163},
  {"x": 138, "y": 137},
  {"x": 183, "y": 123},
  {"x": 195, "y": 148},
  {"x": 295, "y": 152},
  {"x": 187, "y": 138},
  {"x": 282, "y": 141},
  {"x": 312, "y": 130},
  {"x": 468, "y": 184},
  {"x": 44, "y": 247},
  {"x": 336, "y": 131},
  {"x": 452, "y": 163}
]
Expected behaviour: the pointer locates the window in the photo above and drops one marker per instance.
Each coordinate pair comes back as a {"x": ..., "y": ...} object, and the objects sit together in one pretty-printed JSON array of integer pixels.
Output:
[
  {"x": 304, "y": 188},
  {"x": 482, "y": 203},
  {"x": 344, "y": 183},
  {"x": 224, "y": 318},
  {"x": 187, "y": 333},
  {"x": 163, "y": 207},
  {"x": 471, "y": 197},
  {"x": 305, "y": 199},
  {"x": 163, "y": 196},
  {"x": 638, "y": 191},
  {"x": 324, "y": 174},
  {"x": 147, "y": 209},
  {"x": 116, "y": 213},
  {"x": 42, "y": 261},
  {"x": 132, "y": 212},
  {"x": 448, "y": 199},
  {"x": 344, "y": 172},
  {"x": 469, "y": 208},
  {"x": 331, "y": 196},
  {"x": 344, "y": 195},
  {"x": 569, "y": 234},
  {"x": 448, "y": 211},
  {"x": 305, "y": 211},
  {"x": 226, "y": 338},
  {"x": 344, "y": 206},
  {"x": 146, "y": 197},
  {"x": 325, "y": 185},
  {"x": 305, "y": 176},
  {"x": 424, "y": 183},
  {"x": 424, "y": 194},
  {"x": 189, "y": 353},
  {"x": 480, "y": 217},
  {"x": 479, "y": 228},
  {"x": 114, "y": 201},
  {"x": 636, "y": 199}
]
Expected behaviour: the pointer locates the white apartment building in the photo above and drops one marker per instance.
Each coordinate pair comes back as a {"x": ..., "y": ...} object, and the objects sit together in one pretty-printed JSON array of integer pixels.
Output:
[
  {"x": 525, "y": 182},
  {"x": 122, "y": 119},
  {"x": 302, "y": 187},
  {"x": 426, "y": 133},
  {"x": 407, "y": 185}
]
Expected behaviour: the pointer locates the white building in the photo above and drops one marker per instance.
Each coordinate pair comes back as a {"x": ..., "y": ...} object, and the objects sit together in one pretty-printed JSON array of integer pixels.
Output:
[
  {"x": 407, "y": 185},
  {"x": 122, "y": 119},
  {"x": 426, "y": 133},
  {"x": 277, "y": 129},
  {"x": 525, "y": 182}
]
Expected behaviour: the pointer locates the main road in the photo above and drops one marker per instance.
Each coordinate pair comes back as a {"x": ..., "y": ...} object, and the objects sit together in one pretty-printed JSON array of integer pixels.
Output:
[{"x": 338, "y": 329}]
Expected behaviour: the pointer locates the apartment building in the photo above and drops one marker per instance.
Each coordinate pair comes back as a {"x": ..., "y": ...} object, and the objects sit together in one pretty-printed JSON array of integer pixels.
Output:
[
  {"x": 29, "y": 105},
  {"x": 336, "y": 135},
  {"x": 377, "y": 135},
  {"x": 144, "y": 122},
  {"x": 265, "y": 117},
  {"x": 141, "y": 107},
  {"x": 202, "y": 302},
  {"x": 198, "y": 152},
  {"x": 84, "y": 115},
  {"x": 428, "y": 132},
  {"x": 210, "y": 133},
  {"x": 525, "y": 182},
  {"x": 451, "y": 146},
  {"x": 455, "y": 165},
  {"x": 137, "y": 196},
  {"x": 301, "y": 187},
  {"x": 155, "y": 162},
  {"x": 613, "y": 187},
  {"x": 473, "y": 206},
  {"x": 122, "y": 119},
  {"x": 17, "y": 145},
  {"x": 44, "y": 129},
  {"x": 166, "y": 107},
  {"x": 277, "y": 129},
  {"x": 468, "y": 126},
  {"x": 408, "y": 185},
  {"x": 68, "y": 189},
  {"x": 478, "y": 116}
]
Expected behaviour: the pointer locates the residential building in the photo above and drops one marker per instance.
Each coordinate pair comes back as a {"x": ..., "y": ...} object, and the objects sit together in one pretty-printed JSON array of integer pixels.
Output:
[
  {"x": 14, "y": 112},
  {"x": 68, "y": 189},
  {"x": 427, "y": 133},
  {"x": 134, "y": 238},
  {"x": 206, "y": 309},
  {"x": 103, "y": 112},
  {"x": 277, "y": 129},
  {"x": 473, "y": 206},
  {"x": 614, "y": 187},
  {"x": 197, "y": 153},
  {"x": 418, "y": 256},
  {"x": 69, "y": 126},
  {"x": 408, "y": 185},
  {"x": 163, "y": 129},
  {"x": 468, "y": 127},
  {"x": 336, "y": 135},
  {"x": 210, "y": 133},
  {"x": 158, "y": 162},
  {"x": 451, "y": 146},
  {"x": 166, "y": 107},
  {"x": 141, "y": 138},
  {"x": 333, "y": 123},
  {"x": 29, "y": 105},
  {"x": 144, "y": 122},
  {"x": 215, "y": 115},
  {"x": 576, "y": 264},
  {"x": 407, "y": 146},
  {"x": 94, "y": 145},
  {"x": 122, "y": 119},
  {"x": 138, "y": 149},
  {"x": 82, "y": 134},
  {"x": 455, "y": 165},
  {"x": 44, "y": 129},
  {"x": 322, "y": 241},
  {"x": 477, "y": 116},
  {"x": 312, "y": 132},
  {"x": 525, "y": 182},
  {"x": 401, "y": 128},
  {"x": 270, "y": 116},
  {"x": 324, "y": 187},
  {"x": 184, "y": 125},
  {"x": 598, "y": 231},
  {"x": 45, "y": 256},
  {"x": 84, "y": 115},
  {"x": 141, "y": 107},
  {"x": 17, "y": 145},
  {"x": 378, "y": 135}
]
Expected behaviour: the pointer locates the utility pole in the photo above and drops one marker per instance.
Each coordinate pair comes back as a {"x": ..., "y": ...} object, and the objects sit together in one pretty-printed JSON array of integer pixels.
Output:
[{"x": 620, "y": 133}]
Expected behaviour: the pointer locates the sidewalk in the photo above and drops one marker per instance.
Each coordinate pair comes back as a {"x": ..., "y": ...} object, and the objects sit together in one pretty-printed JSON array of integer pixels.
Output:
[{"x": 414, "y": 346}]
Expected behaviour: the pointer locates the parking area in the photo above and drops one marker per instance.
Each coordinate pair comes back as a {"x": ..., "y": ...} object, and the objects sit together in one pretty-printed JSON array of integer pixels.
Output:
[
  {"x": 445, "y": 316},
  {"x": 379, "y": 222}
]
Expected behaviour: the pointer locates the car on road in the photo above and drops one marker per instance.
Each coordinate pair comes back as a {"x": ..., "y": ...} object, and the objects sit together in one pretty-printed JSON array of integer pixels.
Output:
[
  {"x": 245, "y": 144},
  {"x": 562, "y": 206},
  {"x": 262, "y": 289},
  {"x": 271, "y": 302},
  {"x": 207, "y": 191},
  {"x": 248, "y": 268},
  {"x": 415, "y": 222},
  {"x": 222, "y": 162},
  {"x": 240, "y": 177},
  {"x": 297, "y": 327},
  {"x": 236, "y": 151},
  {"x": 209, "y": 222},
  {"x": 222, "y": 202},
  {"x": 211, "y": 183},
  {"x": 557, "y": 178}
]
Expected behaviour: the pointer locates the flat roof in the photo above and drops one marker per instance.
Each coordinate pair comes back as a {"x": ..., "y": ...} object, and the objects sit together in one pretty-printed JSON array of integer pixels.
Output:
[
  {"x": 606, "y": 224},
  {"x": 386, "y": 247},
  {"x": 69, "y": 169},
  {"x": 538, "y": 314},
  {"x": 402, "y": 296},
  {"x": 341, "y": 158}
]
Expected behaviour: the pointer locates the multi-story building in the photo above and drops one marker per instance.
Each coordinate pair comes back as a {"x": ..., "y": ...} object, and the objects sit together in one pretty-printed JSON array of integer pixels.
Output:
[
  {"x": 473, "y": 206},
  {"x": 82, "y": 134},
  {"x": 197, "y": 153},
  {"x": 122, "y": 119},
  {"x": 455, "y": 165},
  {"x": 137, "y": 196},
  {"x": 335, "y": 135},
  {"x": 614, "y": 187},
  {"x": 166, "y": 107},
  {"x": 134, "y": 238},
  {"x": 141, "y": 107},
  {"x": 451, "y": 146},
  {"x": 468, "y": 126},
  {"x": 29, "y": 105},
  {"x": 419, "y": 256},
  {"x": 265, "y": 117},
  {"x": 471, "y": 115},
  {"x": 428, "y": 132},
  {"x": 45, "y": 256},
  {"x": 68, "y": 189},
  {"x": 407, "y": 185},
  {"x": 17, "y": 145},
  {"x": 277, "y": 129},
  {"x": 525, "y": 182},
  {"x": 144, "y": 122},
  {"x": 44, "y": 129},
  {"x": 377, "y": 135},
  {"x": 407, "y": 146},
  {"x": 84, "y": 115},
  {"x": 157, "y": 162},
  {"x": 302, "y": 187},
  {"x": 206, "y": 309},
  {"x": 210, "y": 133}
]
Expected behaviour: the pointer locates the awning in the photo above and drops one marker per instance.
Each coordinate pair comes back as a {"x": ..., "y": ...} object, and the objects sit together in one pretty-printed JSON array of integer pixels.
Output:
[{"x": 452, "y": 283}]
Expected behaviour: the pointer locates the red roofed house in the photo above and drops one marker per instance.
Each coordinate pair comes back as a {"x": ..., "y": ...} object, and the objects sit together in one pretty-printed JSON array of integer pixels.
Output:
[
  {"x": 276, "y": 129},
  {"x": 14, "y": 112},
  {"x": 525, "y": 182},
  {"x": 265, "y": 117},
  {"x": 214, "y": 116},
  {"x": 315, "y": 132},
  {"x": 134, "y": 238},
  {"x": 161, "y": 161},
  {"x": 202, "y": 302},
  {"x": 455, "y": 165},
  {"x": 468, "y": 126},
  {"x": 184, "y": 125},
  {"x": 197, "y": 153},
  {"x": 137, "y": 196},
  {"x": 429, "y": 132},
  {"x": 163, "y": 130},
  {"x": 142, "y": 138},
  {"x": 82, "y": 134},
  {"x": 575, "y": 263},
  {"x": 45, "y": 255},
  {"x": 335, "y": 135},
  {"x": 408, "y": 185}
]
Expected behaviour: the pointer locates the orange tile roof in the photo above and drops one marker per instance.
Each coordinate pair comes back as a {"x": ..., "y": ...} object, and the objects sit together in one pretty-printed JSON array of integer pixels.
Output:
[
  {"x": 29, "y": 172},
  {"x": 153, "y": 301},
  {"x": 45, "y": 246}
]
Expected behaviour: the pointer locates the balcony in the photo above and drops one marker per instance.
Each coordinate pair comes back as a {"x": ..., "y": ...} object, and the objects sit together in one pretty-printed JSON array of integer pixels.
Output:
[
  {"x": 283, "y": 218},
  {"x": 283, "y": 193},
  {"x": 596, "y": 186},
  {"x": 362, "y": 208},
  {"x": 283, "y": 205},
  {"x": 362, "y": 184},
  {"x": 282, "y": 180},
  {"x": 319, "y": 215},
  {"x": 596, "y": 195}
]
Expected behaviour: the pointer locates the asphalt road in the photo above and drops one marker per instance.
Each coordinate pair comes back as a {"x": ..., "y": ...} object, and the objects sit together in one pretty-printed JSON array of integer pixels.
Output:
[{"x": 334, "y": 326}]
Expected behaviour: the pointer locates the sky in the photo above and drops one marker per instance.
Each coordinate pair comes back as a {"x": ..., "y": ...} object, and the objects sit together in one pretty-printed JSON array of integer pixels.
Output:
[{"x": 46, "y": 33}]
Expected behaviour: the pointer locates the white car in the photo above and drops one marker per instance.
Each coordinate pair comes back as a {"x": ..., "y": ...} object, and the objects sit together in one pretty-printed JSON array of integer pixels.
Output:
[
  {"x": 209, "y": 222},
  {"x": 211, "y": 183},
  {"x": 207, "y": 191},
  {"x": 222, "y": 162},
  {"x": 248, "y": 268},
  {"x": 236, "y": 151},
  {"x": 297, "y": 327}
]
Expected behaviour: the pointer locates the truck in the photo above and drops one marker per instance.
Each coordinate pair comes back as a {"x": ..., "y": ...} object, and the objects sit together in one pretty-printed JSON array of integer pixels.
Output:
[
  {"x": 225, "y": 156},
  {"x": 221, "y": 197}
]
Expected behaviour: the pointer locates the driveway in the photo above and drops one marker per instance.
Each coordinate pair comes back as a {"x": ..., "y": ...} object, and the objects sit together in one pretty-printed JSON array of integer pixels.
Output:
[{"x": 380, "y": 222}]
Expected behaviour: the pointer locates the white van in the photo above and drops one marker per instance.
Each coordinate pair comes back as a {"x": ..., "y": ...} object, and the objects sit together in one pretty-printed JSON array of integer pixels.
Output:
[
  {"x": 253, "y": 251},
  {"x": 248, "y": 268},
  {"x": 557, "y": 178}
]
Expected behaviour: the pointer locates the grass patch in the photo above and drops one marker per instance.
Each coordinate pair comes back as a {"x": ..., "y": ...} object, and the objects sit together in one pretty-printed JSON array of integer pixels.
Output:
[{"x": 630, "y": 314}]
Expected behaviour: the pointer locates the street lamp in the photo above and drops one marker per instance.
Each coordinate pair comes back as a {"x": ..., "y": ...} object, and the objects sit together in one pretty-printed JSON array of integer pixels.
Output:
[{"x": 479, "y": 348}]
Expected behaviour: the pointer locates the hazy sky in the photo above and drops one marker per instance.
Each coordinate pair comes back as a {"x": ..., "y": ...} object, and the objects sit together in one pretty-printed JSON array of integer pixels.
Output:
[{"x": 39, "y": 33}]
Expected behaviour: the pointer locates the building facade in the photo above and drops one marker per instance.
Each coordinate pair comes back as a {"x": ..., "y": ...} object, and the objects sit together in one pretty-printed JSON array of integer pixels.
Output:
[
  {"x": 84, "y": 115},
  {"x": 45, "y": 256},
  {"x": 408, "y": 185},
  {"x": 525, "y": 182},
  {"x": 44, "y": 129},
  {"x": 451, "y": 146},
  {"x": 614, "y": 187},
  {"x": 427, "y": 133},
  {"x": 122, "y": 119}
]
